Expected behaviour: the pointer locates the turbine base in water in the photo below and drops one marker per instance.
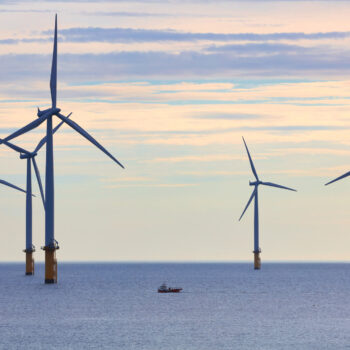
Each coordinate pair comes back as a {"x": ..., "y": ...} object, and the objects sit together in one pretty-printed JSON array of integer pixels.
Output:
[
  {"x": 50, "y": 265},
  {"x": 257, "y": 260},
  {"x": 29, "y": 263}
]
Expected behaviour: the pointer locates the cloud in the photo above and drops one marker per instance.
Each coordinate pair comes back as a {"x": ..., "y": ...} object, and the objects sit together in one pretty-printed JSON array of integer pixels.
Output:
[
  {"x": 195, "y": 158},
  {"x": 24, "y": 40},
  {"x": 136, "y": 65},
  {"x": 127, "y": 179},
  {"x": 98, "y": 34},
  {"x": 296, "y": 127},
  {"x": 23, "y": 10},
  {"x": 130, "y": 35},
  {"x": 13, "y": 2},
  {"x": 129, "y": 14},
  {"x": 95, "y": 13},
  {"x": 312, "y": 151},
  {"x": 174, "y": 185},
  {"x": 226, "y": 116},
  {"x": 260, "y": 48}
]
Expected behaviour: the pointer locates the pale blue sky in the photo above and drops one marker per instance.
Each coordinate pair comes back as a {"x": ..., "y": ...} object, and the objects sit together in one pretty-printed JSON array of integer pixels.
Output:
[{"x": 169, "y": 88}]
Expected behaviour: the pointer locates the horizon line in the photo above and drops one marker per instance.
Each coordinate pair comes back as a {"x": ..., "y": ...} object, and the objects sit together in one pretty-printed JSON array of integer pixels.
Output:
[{"x": 185, "y": 262}]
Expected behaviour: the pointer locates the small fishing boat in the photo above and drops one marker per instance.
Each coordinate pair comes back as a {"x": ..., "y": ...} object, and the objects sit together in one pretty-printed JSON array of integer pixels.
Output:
[{"x": 165, "y": 289}]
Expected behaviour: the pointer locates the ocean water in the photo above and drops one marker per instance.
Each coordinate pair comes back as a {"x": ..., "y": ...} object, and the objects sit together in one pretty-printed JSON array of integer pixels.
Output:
[{"x": 222, "y": 306}]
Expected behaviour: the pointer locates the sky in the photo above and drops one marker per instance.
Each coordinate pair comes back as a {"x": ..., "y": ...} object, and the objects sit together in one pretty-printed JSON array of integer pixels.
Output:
[{"x": 169, "y": 88}]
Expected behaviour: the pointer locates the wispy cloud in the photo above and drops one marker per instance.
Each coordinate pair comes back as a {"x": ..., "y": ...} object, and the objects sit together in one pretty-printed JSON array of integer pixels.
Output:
[
  {"x": 130, "y": 35},
  {"x": 129, "y": 14},
  {"x": 173, "y": 185},
  {"x": 290, "y": 128},
  {"x": 259, "y": 48},
  {"x": 99, "y": 34},
  {"x": 113, "y": 66},
  {"x": 313, "y": 151},
  {"x": 128, "y": 179},
  {"x": 194, "y": 158},
  {"x": 7, "y": 10},
  {"x": 226, "y": 116}
]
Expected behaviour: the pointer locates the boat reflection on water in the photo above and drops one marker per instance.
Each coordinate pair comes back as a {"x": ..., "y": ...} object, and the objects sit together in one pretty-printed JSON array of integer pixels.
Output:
[{"x": 165, "y": 289}]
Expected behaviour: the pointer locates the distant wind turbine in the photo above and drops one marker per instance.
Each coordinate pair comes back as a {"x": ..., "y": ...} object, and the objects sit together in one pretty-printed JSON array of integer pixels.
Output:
[
  {"x": 257, "y": 250},
  {"x": 3, "y": 182},
  {"x": 30, "y": 157},
  {"x": 50, "y": 243},
  {"x": 338, "y": 178}
]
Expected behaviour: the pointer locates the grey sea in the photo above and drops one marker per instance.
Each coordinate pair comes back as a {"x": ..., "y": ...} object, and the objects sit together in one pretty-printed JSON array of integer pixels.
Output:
[{"x": 222, "y": 306}]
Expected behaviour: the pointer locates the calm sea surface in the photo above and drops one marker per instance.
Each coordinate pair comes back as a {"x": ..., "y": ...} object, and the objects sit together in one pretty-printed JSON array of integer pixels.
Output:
[{"x": 223, "y": 306}]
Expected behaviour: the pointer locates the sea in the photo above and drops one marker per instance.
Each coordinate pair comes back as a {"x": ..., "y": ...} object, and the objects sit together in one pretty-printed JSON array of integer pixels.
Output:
[{"x": 222, "y": 306}]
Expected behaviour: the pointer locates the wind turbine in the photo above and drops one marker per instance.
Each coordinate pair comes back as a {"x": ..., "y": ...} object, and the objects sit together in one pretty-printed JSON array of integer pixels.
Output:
[
  {"x": 254, "y": 195},
  {"x": 51, "y": 244},
  {"x": 30, "y": 157}
]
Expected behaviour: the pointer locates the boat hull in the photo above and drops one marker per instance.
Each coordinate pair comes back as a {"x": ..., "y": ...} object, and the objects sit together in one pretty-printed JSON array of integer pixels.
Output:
[{"x": 170, "y": 290}]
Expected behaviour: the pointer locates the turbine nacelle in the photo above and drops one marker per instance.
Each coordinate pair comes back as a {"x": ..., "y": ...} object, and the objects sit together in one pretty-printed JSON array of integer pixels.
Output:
[
  {"x": 255, "y": 183},
  {"x": 27, "y": 155},
  {"x": 40, "y": 113},
  {"x": 51, "y": 111}
]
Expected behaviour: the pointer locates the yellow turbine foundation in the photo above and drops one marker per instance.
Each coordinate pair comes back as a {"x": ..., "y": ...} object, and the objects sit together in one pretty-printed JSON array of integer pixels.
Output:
[
  {"x": 29, "y": 263},
  {"x": 50, "y": 265},
  {"x": 257, "y": 261}
]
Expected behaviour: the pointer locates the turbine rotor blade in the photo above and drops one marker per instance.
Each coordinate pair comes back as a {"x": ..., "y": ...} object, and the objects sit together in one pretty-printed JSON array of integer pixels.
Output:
[
  {"x": 250, "y": 199},
  {"x": 43, "y": 140},
  {"x": 32, "y": 125},
  {"x": 278, "y": 186},
  {"x": 14, "y": 147},
  {"x": 338, "y": 178},
  {"x": 251, "y": 161},
  {"x": 82, "y": 132},
  {"x": 37, "y": 173},
  {"x": 53, "y": 78},
  {"x": 12, "y": 186}
]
